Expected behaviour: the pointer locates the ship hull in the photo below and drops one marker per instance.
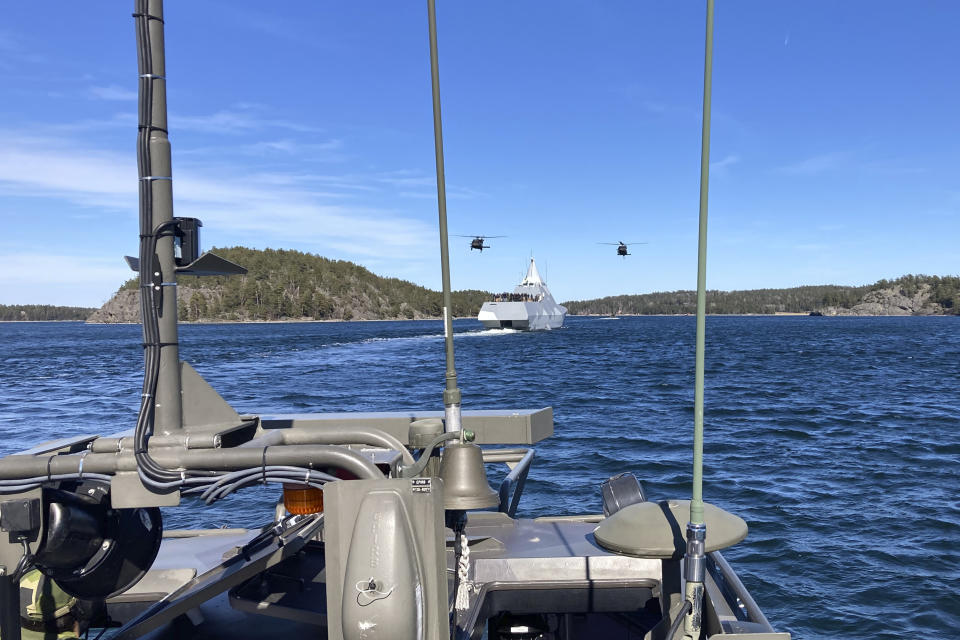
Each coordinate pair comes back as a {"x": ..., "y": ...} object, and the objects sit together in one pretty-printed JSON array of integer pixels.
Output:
[
  {"x": 530, "y": 307},
  {"x": 525, "y": 316}
]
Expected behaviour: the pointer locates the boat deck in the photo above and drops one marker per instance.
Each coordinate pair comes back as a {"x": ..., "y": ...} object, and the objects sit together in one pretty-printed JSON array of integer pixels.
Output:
[
  {"x": 215, "y": 582},
  {"x": 549, "y": 573}
]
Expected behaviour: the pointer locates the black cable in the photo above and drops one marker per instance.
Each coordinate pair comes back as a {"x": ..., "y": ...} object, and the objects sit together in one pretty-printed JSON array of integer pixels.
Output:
[
  {"x": 679, "y": 619},
  {"x": 25, "y": 559},
  {"x": 151, "y": 472},
  {"x": 211, "y": 485}
]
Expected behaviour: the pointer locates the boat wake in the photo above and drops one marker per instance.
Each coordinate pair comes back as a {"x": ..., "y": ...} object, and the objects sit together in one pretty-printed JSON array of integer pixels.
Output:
[{"x": 484, "y": 333}]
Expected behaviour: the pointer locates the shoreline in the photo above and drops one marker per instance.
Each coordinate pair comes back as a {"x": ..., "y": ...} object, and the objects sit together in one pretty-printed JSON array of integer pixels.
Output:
[
  {"x": 758, "y": 315},
  {"x": 438, "y": 318},
  {"x": 28, "y": 321}
]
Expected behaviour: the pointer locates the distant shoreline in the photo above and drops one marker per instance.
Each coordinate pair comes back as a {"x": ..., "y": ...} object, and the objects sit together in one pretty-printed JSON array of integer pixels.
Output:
[
  {"x": 755, "y": 315},
  {"x": 35, "y": 321},
  {"x": 438, "y": 318},
  {"x": 622, "y": 315}
]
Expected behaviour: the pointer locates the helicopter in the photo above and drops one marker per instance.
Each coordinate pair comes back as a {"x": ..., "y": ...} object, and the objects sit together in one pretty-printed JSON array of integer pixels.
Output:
[
  {"x": 477, "y": 242},
  {"x": 621, "y": 247}
]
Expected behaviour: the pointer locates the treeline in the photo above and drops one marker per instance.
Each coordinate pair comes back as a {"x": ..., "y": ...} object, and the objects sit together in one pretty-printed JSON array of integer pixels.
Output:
[
  {"x": 756, "y": 301},
  {"x": 42, "y": 312},
  {"x": 284, "y": 284},
  {"x": 933, "y": 290}
]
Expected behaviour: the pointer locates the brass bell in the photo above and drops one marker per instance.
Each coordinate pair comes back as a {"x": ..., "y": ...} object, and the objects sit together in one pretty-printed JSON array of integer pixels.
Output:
[{"x": 465, "y": 478}]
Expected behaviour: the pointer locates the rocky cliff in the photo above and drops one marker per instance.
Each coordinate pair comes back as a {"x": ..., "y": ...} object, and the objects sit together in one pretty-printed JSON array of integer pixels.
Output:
[
  {"x": 123, "y": 307},
  {"x": 892, "y": 301}
]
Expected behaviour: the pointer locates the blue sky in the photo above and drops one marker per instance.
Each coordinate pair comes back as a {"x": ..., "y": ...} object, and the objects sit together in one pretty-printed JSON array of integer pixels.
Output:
[{"x": 308, "y": 126}]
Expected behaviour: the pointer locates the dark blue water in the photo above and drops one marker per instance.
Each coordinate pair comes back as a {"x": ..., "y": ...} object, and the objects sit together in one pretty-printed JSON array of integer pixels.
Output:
[{"x": 837, "y": 439}]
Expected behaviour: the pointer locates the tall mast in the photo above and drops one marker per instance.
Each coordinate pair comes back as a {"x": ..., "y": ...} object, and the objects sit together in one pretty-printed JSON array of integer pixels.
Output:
[
  {"x": 696, "y": 528},
  {"x": 157, "y": 271},
  {"x": 451, "y": 393}
]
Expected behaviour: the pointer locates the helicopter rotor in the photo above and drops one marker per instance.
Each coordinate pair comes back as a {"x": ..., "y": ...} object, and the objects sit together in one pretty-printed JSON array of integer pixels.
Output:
[
  {"x": 477, "y": 241},
  {"x": 622, "y": 248}
]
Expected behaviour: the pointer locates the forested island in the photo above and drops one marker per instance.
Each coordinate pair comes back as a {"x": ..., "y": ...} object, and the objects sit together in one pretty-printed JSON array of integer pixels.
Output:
[
  {"x": 42, "y": 313},
  {"x": 293, "y": 285},
  {"x": 286, "y": 285},
  {"x": 907, "y": 295}
]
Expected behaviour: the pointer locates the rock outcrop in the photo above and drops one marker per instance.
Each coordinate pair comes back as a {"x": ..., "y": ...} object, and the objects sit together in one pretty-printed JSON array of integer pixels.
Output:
[
  {"x": 893, "y": 301},
  {"x": 122, "y": 308}
]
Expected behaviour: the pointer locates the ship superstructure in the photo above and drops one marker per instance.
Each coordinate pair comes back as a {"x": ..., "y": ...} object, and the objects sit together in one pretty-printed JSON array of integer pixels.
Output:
[{"x": 530, "y": 307}]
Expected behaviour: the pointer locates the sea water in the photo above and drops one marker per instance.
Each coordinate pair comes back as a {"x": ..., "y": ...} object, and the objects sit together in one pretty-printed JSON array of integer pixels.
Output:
[{"x": 836, "y": 439}]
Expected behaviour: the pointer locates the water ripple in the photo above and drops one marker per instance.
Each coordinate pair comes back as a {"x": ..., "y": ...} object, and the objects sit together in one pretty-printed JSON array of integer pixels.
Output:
[{"x": 837, "y": 439}]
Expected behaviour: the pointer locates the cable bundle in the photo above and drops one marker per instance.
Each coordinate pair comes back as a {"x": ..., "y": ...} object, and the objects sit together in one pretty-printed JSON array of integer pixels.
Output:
[{"x": 209, "y": 485}]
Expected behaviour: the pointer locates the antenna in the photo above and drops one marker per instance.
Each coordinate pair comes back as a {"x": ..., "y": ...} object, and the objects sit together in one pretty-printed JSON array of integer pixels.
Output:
[
  {"x": 696, "y": 528},
  {"x": 451, "y": 393}
]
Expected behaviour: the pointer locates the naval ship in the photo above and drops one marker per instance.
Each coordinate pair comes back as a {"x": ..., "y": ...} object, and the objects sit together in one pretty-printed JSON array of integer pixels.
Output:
[
  {"x": 385, "y": 526},
  {"x": 530, "y": 307}
]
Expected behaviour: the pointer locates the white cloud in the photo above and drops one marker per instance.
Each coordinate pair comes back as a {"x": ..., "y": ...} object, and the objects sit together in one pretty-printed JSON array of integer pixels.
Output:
[
  {"x": 343, "y": 182},
  {"x": 720, "y": 166},
  {"x": 252, "y": 208},
  {"x": 60, "y": 279},
  {"x": 31, "y": 166},
  {"x": 406, "y": 178},
  {"x": 113, "y": 92},
  {"x": 453, "y": 193},
  {"x": 318, "y": 151},
  {"x": 225, "y": 121},
  {"x": 409, "y": 180},
  {"x": 816, "y": 164}
]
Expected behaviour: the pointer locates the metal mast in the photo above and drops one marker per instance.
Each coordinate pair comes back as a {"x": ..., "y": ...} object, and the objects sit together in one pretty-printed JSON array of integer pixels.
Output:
[
  {"x": 696, "y": 528},
  {"x": 156, "y": 209},
  {"x": 451, "y": 393}
]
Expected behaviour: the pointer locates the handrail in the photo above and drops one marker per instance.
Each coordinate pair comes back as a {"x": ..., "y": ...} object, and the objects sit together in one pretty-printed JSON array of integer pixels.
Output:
[
  {"x": 504, "y": 455},
  {"x": 731, "y": 585},
  {"x": 512, "y": 486}
]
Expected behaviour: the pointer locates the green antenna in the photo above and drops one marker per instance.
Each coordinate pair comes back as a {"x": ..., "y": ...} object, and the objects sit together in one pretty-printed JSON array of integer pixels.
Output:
[
  {"x": 696, "y": 528},
  {"x": 696, "y": 507},
  {"x": 451, "y": 393}
]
